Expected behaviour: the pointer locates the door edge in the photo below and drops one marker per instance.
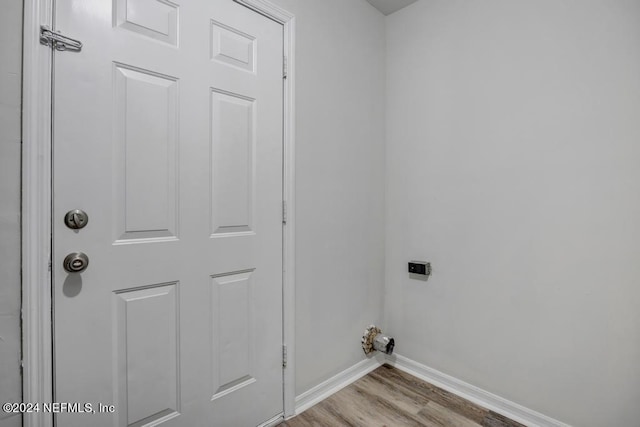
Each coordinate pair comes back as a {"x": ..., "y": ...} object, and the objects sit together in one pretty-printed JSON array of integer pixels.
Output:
[{"x": 37, "y": 338}]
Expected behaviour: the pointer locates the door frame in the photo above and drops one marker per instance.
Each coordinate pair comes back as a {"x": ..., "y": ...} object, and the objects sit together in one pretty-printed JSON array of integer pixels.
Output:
[{"x": 37, "y": 327}]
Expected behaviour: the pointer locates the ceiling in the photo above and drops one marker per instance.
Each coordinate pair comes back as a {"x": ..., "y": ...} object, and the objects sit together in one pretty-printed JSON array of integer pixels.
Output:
[{"x": 389, "y": 6}]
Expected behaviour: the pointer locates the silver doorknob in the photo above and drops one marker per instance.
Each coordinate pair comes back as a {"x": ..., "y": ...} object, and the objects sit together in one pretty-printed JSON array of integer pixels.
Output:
[
  {"x": 76, "y": 262},
  {"x": 76, "y": 219}
]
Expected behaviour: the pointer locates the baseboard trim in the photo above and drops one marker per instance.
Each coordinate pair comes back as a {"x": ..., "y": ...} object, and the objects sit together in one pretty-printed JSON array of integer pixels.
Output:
[
  {"x": 474, "y": 394},
  {"x": 273, "y": 421},
  {"x": 335, "y": 384}
]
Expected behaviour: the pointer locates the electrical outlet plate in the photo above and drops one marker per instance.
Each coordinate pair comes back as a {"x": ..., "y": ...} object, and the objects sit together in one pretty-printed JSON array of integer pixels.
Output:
[{"x": 419, "y": 268}]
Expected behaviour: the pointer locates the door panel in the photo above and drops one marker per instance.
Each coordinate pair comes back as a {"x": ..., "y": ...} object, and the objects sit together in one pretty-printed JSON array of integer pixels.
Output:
[
  {"x": 232, "y": 162},
  {"x": 146, "y": 157},
  {"x": 168, "y": 133},
  {"x": 147, "y": 323},
  {"x": 233, "y": 353}
]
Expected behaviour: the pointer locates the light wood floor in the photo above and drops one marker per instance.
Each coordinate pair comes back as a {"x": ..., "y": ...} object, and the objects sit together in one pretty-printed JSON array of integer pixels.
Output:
[{"x": 390, "y": 397}]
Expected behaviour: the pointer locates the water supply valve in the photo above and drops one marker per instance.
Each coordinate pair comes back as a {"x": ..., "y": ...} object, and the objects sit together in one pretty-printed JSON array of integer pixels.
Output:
[{"x": 373, "y": 339}]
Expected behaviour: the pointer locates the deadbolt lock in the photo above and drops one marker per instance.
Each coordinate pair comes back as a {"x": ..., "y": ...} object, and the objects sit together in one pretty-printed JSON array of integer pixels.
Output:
[
  {"x": 75, "y": 262},
  {"x": 76, "y": 219}
]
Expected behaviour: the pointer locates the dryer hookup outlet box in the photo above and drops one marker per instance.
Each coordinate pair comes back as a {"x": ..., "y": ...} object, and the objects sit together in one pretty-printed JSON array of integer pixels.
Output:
[{"x": 422, "y": 268}]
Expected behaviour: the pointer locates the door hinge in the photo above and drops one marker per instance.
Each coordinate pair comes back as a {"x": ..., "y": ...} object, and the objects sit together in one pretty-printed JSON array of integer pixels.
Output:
[
  {"x": 284, "y": 212},
  {"x": 285, "y": 67},
  {"x": 284, "y": 356},
  {"x": 58, "y": 41}
]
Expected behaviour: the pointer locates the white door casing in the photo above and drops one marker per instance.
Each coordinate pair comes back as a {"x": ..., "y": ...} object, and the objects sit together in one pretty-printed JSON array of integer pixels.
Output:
[{"x": 168, "y": 132}]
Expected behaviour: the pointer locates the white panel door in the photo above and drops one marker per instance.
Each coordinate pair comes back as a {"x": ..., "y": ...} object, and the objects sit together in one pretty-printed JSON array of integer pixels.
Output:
[{"x": 168, "y": 134}]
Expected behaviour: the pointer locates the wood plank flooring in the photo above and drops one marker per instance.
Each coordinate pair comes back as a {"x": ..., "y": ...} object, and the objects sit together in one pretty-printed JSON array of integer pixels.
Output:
[{"x": 390, "y": 397}]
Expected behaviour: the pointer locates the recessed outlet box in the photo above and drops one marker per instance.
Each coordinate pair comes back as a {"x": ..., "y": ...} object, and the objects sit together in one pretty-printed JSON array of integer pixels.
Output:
[{"x": 422, "y": 268}]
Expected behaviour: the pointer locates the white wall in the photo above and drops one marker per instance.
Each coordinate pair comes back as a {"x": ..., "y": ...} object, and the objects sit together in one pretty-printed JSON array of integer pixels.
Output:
[
  {"x": 513, "y": 159},
  {"x": 340, "y": 65},
  {"x": 10, "y": 98}
]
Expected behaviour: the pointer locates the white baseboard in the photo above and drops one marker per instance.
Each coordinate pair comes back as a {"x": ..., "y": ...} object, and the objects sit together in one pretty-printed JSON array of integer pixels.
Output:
[
  {"x": 474, "y": 394},
  {"x": 335, "y": 383},
  {"x": 277, "y": 420}
]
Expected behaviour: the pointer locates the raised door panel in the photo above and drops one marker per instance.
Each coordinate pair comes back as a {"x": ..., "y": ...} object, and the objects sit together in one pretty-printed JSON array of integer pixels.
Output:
[
  {"x": 146, "y": 156},
  {"x": 232, "y": 332},
  {"x": 157, "y": 19},
  {"x": 232, "y": 163},
  {"x": 233, "y": 47},
  {"x": 147, "y": 370}
]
